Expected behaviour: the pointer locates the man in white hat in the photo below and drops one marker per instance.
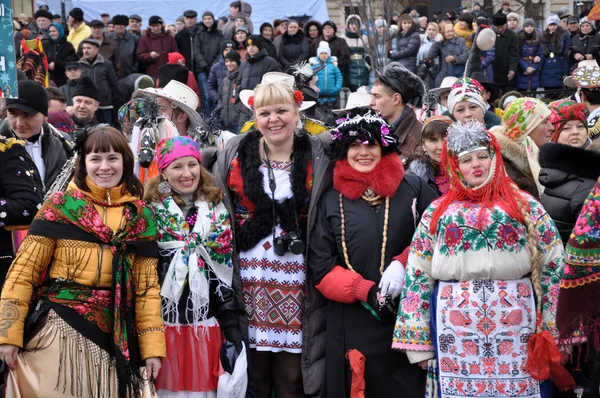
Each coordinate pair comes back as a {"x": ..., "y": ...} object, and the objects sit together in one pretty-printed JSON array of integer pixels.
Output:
[{"x": 587, "y": 79}]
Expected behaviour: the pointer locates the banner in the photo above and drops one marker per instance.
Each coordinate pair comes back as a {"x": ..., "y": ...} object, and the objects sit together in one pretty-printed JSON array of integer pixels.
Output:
[{"x": 8, "y": 66}]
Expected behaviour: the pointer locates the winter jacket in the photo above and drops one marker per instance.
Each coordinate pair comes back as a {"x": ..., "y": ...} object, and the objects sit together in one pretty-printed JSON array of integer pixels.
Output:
[
  {"x": 21, "y": 193},
  {"x": 103, "y": 74},
  {"x": 455, "y": 47},
  {"x": 68, "y": 89},
  {"x": 529, "y": 49},
  {"x": 251, "y": 73},
  {"x": 339, "y": 49},
  {"x": 270, "y": 47},
  {"x": 507, "y": 56},
  {"x": 56, "y": 149},
  {"x": 186, "y": 44},
  {"x": 568, "y": 173},
  {"x": 407, "y": 48},
  {"x": 315, "y": 305},
  {"x": 60, "y": 53},
  {"x": 584, "y": 44},
  {"x": 217, "y": 73},
  {"x": 229, "y": 28},
  {"x": 163, "y": 44},
  {"x": 408, "y": 130},
  {"x": 293, "y": 49},
  {"x": 207, "y": 48},
  {"x": 555, "y": 68},
  {"x": 228, "y": 105},
  {"x": 127, "y": 49},
  {"x": 78, "y": 35},
  {"x": 316, "y": 40},
  {"x": 465, "y": 34},
  {"x": 358, "y": 74},
  {"x": 108, "y": 50},
  {"x": 517, "y": 165},
  {"x": 329, "y": 79}
]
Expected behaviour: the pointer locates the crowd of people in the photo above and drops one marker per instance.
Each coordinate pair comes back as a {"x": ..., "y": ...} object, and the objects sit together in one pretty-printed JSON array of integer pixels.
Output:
[{"x": 435, "y": 235}]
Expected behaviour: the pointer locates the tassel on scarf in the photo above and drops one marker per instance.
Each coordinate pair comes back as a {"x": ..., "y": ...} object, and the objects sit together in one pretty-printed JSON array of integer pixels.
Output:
[
  {"x": 543, "y": 361},
  {"x": 357, "y": 364}
]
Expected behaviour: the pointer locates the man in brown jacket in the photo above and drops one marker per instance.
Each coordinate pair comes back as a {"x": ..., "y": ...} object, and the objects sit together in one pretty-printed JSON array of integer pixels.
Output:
[
  {"x": 108, "y": 47},
  {"x": 394, "y": 94}
]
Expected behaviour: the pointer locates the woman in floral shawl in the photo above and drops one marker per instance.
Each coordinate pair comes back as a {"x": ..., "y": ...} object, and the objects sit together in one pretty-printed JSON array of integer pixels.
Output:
[
  {"x": 195, "y": 269},
  {"x": 479, "y": 257},
  {"x": 80, "y": 309}
]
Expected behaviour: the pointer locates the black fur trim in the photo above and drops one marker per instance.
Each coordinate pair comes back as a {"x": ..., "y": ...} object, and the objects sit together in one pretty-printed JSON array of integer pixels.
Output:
[
  {"x": 577, "y": 161},
  {"x": 260, "y": 223}
]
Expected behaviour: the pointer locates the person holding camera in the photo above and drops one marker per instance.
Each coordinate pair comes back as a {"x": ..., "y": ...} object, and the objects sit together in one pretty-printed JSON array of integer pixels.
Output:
[
  {"x": 195, "y": 268},
  {"x": 365, "y": 221},
  {"x": 272, "y": 177}
]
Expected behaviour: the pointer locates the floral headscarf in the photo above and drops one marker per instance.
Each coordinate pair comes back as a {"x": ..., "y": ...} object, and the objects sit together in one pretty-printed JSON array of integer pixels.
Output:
[
  {"x": 522, "y": 116},
  {"x": 466, "y": 90},
  {"x": 564, "y": 111},
  {"x": 170, "y": 149}
]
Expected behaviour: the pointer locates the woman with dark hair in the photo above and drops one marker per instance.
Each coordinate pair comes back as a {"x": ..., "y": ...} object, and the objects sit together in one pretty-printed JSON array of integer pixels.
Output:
[
  {"x": 154, "y": 47},
  {"x": 531, "y": 57},
  {"x": 294, "y": 46},
  {"x": 313, "y": 31},
  {"x": 195, "y": 269},
  {"x": 555, "y": 48},
  {"x": 407, "y": 43},
  {"x": 59, "y": 52},
  {"x": 364, "y": 223},
  {"x": 481, "y": 255},
  {"x": 427, "y": 164},
  {"x": 81, "y": 302},
  {"x": 266, "y": 31}
]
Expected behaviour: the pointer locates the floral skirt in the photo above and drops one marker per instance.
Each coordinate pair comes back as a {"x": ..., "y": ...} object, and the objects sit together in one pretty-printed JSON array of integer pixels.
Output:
[
  {"x": 192, "y": 366},
  {"x": 481, "y": 331}
]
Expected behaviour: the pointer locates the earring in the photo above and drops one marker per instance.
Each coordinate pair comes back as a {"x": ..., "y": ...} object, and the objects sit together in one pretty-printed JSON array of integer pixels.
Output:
[{"x": 164, "y": 188}]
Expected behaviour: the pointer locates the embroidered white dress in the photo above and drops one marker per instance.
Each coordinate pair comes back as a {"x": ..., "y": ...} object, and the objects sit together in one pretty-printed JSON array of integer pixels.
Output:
[
  {"x": 273, "y": 285},
  {"x": 476, "y": 283}
]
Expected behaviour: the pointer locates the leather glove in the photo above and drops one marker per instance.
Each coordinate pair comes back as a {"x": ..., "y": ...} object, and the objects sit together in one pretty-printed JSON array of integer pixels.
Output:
[
  {"x": 381, "y": 304},
  {"x": 392, "y": 279}
]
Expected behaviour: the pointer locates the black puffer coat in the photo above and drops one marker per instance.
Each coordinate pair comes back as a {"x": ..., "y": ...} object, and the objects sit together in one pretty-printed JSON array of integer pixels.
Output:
[
  {"x": 407, "y": 48},
  {"x": 60, "y": 53},
  {"x": 293, "y": 49},
  {"x": 585, "y": 44},
  {"x": 568, "y": 173},
  {"x": 207, "y": 48}
]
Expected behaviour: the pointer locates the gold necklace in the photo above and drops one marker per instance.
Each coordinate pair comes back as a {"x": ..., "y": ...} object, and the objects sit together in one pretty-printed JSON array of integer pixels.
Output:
[{"x": 385, "y": 228}]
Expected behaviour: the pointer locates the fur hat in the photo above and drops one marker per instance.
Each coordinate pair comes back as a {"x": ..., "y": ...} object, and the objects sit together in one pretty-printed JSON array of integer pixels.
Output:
[
  {"x": 86, "y": 88},
  {"x": 499, "y": 19},
  {"x": 466, "y": 17},
  {"x": 42, "y": 14},
  {"x": 401, "y": 80},
  {"x": 121, "y": 20},
  {"x": 323, "y": 48}
]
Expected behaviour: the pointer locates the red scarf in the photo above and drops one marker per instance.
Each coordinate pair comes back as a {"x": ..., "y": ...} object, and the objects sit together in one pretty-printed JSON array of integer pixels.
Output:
[{"x": 384, "y": 179}]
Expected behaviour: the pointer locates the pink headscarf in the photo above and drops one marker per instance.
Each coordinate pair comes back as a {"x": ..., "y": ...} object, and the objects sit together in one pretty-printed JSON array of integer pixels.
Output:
[{"x": 170, "y": 149}]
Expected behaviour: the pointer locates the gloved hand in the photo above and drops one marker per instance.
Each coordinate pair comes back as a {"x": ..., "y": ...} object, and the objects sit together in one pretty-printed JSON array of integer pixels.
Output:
[
  {"x": 382, "y": 304},
  {"x": 392, "y": 279}
]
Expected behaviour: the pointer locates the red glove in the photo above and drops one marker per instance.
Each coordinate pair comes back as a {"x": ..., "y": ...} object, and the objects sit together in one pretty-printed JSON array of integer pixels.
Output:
[{"x": 345, "y": 286}]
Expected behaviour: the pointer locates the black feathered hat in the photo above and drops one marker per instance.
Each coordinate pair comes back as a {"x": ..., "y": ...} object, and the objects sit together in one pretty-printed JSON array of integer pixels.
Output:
[
  {"x": 404, "y": 82},
  {"x": 85, "y": 87}
]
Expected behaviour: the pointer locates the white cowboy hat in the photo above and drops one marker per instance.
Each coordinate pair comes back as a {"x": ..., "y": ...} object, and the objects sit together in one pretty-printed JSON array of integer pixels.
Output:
[
  {"x": 270, "y": 78},
  {"x": 183, "y": 98},
  {"x": 446, "y": 85},
  {"x": 355, "y": 100}
]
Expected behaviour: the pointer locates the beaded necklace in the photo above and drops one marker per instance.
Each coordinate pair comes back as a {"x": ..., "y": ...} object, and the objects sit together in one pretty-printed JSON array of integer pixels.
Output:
[{"x": 385, "y": 228}]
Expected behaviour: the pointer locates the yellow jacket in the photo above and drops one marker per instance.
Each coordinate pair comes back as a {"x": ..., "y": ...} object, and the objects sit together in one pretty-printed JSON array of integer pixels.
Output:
[
  {"x": 87, "y": 264},
  {"x": 465, "y": 34},
  {"x": 78, "y": 35}
]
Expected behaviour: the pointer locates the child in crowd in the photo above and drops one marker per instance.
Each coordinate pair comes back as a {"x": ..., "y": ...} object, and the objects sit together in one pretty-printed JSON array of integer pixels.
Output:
[
  {"x": 73, "y": 71},
  {"x": 227, "y": 107},
  {"x": 329, "y": 78}
]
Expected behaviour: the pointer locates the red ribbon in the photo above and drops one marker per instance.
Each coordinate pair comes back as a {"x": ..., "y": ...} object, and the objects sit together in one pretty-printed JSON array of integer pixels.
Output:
[
  {"x": 357, "y": 364},
  {"x": 543, "y": 361}
]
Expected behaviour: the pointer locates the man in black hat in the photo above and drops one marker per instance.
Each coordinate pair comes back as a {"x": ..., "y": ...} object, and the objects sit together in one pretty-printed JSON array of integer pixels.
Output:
[
  {"x": 46, "y": 147},
  {"x": 186, "y": 37},
  {"x": 256, "y": 65},
  {"x": 108, "y": 46},
  {"x": 102, "y": 72},
  {"x": 394, "y": 93},
  {"x": 85, "y": 104},
  {"x": 78, "y": 30},
  {"x": 507, "y": 44},
  {"x": 573, "y": 26},
  {"x": 105, "y": 17},
  {"x": 43, "y": 19},
  {"x": 127, "y": 44},
  {"x": 339, "y": 47},
  {"x": 135, "y": 25},
  {"x": 207, "y": 49}
]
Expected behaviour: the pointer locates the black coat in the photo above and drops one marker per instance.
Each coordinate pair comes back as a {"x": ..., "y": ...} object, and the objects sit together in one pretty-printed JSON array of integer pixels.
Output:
[
  {"x": 126, "y": 48},
  {"x": 251, "y": 73},
  {"x": 407, "y": 49},
  {"x": 185, "y": 43},
  {"x": 351, "y": 326},
  {"x": 227, "y": 106},
  {"x": 270, "y": 47},
  {"x": 293, "y": 49},
  {"x": 568, "y": 173},
  {"x": 20, "y": 195},
  {"x": 507, "y": 57},
  {"x": 60, "y": 53},
  {"x": 584, "y": 44},
  {"x": 103, "y": 73},
  {"x": 207, "y": 49}
]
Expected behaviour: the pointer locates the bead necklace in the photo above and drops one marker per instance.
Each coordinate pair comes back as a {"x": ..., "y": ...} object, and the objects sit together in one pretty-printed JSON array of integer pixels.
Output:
[{"x": 385, "y": 228}]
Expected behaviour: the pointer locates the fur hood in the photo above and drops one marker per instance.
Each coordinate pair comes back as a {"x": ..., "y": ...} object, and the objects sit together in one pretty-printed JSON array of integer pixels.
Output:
[
  {"x": 514, "y": 153},
  {"x": 422, "y": 168},
  {"x": 563, "y": 162}
]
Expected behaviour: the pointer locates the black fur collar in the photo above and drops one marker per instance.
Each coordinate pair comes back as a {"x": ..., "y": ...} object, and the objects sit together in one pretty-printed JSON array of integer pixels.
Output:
[
  {"x": 577, "y": 161},
  {"x": 259, "y": 224}
]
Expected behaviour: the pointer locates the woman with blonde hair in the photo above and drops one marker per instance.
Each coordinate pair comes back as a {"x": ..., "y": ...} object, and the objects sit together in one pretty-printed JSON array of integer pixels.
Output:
[
  {"x": 480, "y": 257},
  {"x": 272, "y": 177}
]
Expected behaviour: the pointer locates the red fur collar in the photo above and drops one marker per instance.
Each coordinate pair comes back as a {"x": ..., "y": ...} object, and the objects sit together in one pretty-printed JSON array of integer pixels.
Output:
[{"x": 384, "y": 179}]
